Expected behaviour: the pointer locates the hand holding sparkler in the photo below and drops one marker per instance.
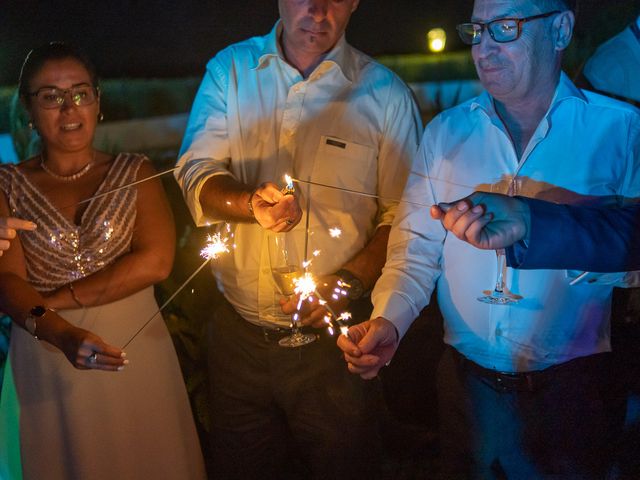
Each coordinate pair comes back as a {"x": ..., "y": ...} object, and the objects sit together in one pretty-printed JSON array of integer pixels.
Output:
[
  {"x": 330, "y": 296},
  {"x": 274, "y": 209},
  {"x": 369, "y": 346},
  {"x": 485, "y": 220}
]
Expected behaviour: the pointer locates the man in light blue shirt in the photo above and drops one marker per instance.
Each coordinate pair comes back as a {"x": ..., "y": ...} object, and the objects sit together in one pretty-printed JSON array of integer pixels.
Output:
[
  {"x": 614, "y": 69},
  {"x": 301, "y": 101},
  {"x": 522, "y": 386}
]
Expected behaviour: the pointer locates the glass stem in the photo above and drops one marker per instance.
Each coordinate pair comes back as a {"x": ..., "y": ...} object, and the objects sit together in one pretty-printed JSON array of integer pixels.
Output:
[{"x": 501, "y": 265}]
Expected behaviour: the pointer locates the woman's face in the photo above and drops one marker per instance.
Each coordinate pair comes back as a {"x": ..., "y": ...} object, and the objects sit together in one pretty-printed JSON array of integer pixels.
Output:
[{"x": 68, "y": 127}]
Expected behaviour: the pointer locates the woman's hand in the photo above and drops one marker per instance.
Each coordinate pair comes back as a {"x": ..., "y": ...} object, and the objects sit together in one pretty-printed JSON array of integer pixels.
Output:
[{"x": 85, "y": 350}]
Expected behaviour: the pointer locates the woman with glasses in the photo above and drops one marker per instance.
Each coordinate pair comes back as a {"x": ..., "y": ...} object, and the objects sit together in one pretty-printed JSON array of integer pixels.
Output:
[{"x": 78, "y": 287}]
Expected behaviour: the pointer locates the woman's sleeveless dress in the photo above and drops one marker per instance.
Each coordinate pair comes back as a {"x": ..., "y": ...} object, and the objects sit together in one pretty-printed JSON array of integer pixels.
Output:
[{"x": 89, "y": 424}]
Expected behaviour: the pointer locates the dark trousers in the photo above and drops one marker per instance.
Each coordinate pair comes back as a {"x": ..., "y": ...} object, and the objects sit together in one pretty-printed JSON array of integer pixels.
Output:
[
  {"x": 278, "y": 412},
  {"x": 555, "y": 423}
]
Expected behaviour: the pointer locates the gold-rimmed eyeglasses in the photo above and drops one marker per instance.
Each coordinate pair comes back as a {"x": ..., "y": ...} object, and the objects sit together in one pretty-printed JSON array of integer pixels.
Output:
[
  {"x": 502, "y": 30},
  {"x": 52, "y": 97}
]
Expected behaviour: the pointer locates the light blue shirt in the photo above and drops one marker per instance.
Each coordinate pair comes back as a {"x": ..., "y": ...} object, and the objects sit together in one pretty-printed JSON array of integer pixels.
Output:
[
  {"x": 351, "y": 124},
  {"x": 615, "y": 66},
  {"x": 587, "y": 146}
]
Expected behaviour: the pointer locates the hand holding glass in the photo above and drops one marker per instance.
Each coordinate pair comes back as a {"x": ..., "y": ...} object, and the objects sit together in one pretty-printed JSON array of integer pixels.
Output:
[{"x": 285, "y": 268}]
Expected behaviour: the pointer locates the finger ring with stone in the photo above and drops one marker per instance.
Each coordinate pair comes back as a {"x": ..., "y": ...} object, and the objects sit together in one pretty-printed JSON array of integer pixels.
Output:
[
  {"x": 93, "y": 358},
  {"x": 289, "y": 221}
]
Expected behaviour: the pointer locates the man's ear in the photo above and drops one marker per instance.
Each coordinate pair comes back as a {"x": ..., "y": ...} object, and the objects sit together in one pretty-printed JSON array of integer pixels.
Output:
[{"x": 563, "y": 29}]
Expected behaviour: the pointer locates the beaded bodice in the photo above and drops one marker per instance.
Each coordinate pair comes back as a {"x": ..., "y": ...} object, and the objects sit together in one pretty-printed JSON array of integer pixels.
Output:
[{"x": 59, "y": 251}]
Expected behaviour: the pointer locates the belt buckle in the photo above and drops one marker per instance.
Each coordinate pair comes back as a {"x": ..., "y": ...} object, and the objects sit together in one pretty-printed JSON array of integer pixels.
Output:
[{"x": 273, "y": 334}]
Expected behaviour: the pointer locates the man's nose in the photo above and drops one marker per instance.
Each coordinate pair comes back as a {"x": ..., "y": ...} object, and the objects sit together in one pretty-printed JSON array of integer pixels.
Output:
[
  {"x": 486, "y": 46},
  {"x": 318, "y": 9}
]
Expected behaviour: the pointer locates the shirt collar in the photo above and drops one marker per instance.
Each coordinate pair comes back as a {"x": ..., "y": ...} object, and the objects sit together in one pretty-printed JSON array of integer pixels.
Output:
[
  {"x": 340, "y": 55},
  {"x": 564, "y": 90}
]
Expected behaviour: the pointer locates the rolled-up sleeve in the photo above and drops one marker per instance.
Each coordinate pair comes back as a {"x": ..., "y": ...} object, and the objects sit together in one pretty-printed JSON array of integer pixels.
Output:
[{"x": 205, "y": 150}]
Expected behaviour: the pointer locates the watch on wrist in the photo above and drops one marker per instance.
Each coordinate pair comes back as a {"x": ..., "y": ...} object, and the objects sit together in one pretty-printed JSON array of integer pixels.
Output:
[
  {"x": 32, "y": 318},
  {"x": 356, "y": 288}
]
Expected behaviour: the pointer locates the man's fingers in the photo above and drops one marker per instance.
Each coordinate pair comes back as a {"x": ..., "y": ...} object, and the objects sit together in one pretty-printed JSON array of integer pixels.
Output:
[
  {"x": 464, "y": 221},
  {"x": 475, "y": 231},
  {"x": 348, "y": 346}
]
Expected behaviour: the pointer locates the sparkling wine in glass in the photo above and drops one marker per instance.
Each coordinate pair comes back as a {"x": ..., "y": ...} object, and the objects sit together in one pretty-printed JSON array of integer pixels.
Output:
[{"x": 285, "y": 268}]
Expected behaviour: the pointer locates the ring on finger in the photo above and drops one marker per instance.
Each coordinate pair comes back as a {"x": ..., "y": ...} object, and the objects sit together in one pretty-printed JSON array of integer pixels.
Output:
[
  {"x": 289, "y": 221},
  {"x": 93, "y": 358}
]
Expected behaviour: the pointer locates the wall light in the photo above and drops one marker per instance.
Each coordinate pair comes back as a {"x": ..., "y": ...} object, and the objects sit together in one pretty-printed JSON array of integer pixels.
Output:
[{"x": 436, "y": 39}]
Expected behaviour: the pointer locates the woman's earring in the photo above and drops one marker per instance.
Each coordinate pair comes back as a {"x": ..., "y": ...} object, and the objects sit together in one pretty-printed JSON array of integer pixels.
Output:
[
  {"x": 30, "y": 125},
  {"x": 100, "y": 116}
]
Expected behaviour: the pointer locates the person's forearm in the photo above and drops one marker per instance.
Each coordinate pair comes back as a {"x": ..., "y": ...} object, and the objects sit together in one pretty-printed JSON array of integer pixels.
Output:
[
  {"x": 18, "y": 297},
  {"x": 129, "y": 274},
  {"x": 367, "y": 264},
  {"x": 224, "y": 198}
]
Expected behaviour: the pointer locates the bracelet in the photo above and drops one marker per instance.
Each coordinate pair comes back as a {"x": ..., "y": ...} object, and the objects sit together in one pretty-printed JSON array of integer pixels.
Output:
[
  {"x": 251, "y": 206},
  {"x": 74, "y": 296}
]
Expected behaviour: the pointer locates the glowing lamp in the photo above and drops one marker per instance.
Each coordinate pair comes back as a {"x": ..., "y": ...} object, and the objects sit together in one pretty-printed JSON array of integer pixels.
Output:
[{"x": 436, "y": 39}]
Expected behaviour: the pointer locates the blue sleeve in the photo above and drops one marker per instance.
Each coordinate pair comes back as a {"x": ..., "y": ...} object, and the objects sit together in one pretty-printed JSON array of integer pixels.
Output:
[{"x": 595, "y": 239}]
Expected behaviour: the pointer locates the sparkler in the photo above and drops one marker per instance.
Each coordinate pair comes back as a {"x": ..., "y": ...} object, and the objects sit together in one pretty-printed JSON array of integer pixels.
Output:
[
  {"x": 380, "y": 197},
  {"x": 216, "y": 246}
]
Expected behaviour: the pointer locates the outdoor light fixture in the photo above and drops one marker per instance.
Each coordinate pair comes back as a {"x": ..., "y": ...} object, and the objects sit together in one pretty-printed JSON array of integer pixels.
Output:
[{"x": 436, "y": 39}]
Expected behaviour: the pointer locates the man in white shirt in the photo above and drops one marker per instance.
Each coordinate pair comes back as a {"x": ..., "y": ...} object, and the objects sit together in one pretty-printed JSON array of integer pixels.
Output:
[
  {"x": 522, "y": 386},
  {"x": 614, "y": 68},
  {"x": 301, "y": 101}
]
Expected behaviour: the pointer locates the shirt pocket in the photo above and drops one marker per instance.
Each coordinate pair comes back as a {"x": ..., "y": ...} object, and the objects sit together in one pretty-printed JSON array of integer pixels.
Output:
[{"x": 344, "y": 164}]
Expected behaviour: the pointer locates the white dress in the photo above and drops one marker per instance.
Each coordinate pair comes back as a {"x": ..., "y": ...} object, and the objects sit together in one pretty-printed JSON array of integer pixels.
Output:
[{"x": 88, "y": 424}]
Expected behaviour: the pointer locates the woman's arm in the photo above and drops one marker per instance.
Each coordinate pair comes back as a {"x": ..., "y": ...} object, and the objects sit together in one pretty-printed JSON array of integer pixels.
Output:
[
  {"x": 149, "y": 261},
  {"x": 18, "y": 297}
]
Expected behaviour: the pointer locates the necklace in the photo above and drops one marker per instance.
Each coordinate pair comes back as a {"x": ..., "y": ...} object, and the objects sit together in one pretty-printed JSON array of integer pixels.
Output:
[{"x": 68, "y": 178}]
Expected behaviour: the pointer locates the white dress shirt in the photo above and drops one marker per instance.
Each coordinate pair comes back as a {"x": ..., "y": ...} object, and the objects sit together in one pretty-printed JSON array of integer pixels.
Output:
[
  {"x": 352, "y": 124},
  {"x": 615, "y": 66},
  {"x": 586, "y": 146}
]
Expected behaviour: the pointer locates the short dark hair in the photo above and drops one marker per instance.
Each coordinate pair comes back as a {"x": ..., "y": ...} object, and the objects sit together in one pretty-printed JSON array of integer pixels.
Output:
[
  {"x": 550, "y": 5},
  {"x": 37, "y": 57}
]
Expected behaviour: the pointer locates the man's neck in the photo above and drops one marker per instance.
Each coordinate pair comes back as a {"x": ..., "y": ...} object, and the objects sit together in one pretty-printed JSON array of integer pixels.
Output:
[
  {"x": 522, "y": 116},
  {"x": 302, "y": 61}
]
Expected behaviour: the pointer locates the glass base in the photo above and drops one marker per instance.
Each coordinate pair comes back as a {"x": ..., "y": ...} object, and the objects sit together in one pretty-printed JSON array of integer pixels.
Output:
[
  {"x": 297, "y": 339},
  {"x": 495, "y": 297}
]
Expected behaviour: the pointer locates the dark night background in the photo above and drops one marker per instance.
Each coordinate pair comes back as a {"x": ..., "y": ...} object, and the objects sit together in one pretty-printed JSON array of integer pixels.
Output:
[{"x": 144, "y": 38}]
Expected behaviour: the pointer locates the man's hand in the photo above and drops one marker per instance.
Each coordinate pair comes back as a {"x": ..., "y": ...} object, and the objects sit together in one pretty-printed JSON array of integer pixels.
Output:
[
  {"x": 369, "y": 346},
  {"x": 313, "y": 312},
  {"x": 8, "y": 227},
  {"x": 485, "y": 220},
  {"x": 274, "y": 210}
]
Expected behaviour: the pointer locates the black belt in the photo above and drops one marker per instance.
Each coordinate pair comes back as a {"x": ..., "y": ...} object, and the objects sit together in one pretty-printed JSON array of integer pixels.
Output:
[
  {"x": 504, "y": 381},
  {"x": 272, "y": 334}
]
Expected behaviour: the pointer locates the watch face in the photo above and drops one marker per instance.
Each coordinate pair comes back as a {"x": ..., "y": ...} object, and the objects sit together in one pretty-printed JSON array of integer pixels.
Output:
[
  {"x": 38, "y": 311},
  {"x": 357, "y": 290}
]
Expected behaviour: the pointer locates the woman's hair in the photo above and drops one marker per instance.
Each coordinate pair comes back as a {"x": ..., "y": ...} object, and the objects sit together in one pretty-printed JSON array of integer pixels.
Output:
[{"x": 37, "y": 57}]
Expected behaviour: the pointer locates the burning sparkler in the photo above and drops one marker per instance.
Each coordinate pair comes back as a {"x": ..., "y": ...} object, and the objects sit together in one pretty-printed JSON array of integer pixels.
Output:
[{"x": 216, "y": 246}]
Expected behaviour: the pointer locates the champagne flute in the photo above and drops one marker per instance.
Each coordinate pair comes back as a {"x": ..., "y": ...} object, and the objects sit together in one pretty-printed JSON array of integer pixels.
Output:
[
  {"x": 500, "y": 295},
  {"x": 285, "y": 268}
]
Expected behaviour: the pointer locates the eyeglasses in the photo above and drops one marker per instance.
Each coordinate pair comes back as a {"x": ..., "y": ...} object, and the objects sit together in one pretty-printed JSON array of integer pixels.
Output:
[
  {"x": 51, "y": 97},
  {"x": 502, "y": 30}
]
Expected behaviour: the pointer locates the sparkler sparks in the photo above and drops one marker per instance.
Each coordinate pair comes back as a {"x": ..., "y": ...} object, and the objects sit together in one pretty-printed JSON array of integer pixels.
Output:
[
  {"x": 216, "y": 246},
  {"x": 335, "y": 232}
]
